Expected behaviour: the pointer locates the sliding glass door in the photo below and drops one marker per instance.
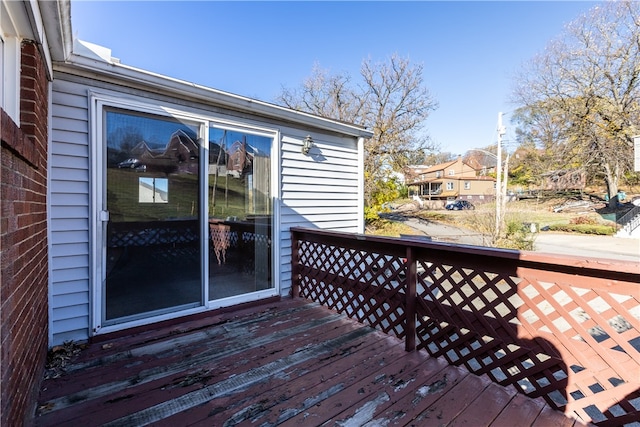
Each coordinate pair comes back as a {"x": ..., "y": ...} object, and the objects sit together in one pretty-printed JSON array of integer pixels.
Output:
[
  {"x": 240, "y": 213},
  {"x": 153, "y": 250},
  {"x": 185, "y": 225}
]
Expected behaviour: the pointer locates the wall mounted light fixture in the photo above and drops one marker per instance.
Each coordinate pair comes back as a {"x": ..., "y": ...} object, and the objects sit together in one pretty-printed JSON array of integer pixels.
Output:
[{"x": 307, "y": 144}]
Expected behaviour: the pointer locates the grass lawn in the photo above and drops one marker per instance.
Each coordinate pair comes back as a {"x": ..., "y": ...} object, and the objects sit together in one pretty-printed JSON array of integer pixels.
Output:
[
  {"x": 123, "y": 188},
  {"x": 482, "y": 219}
]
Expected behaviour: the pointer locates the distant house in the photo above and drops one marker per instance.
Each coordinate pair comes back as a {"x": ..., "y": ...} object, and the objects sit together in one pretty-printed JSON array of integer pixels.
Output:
[
  {"x": 483, "y": 162},
  {"x": 450, "y": 181}
]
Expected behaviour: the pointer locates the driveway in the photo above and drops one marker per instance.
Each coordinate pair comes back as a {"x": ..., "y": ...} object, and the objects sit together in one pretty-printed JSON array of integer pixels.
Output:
[{"x": 617, "y": 248}]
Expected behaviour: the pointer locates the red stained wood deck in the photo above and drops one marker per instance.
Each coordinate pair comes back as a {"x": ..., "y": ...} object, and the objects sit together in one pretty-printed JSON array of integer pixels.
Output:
[{"x": 285, "y": 363}]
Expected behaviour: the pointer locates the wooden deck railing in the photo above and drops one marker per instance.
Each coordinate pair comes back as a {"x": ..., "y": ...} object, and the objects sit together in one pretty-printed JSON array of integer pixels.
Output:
[{"x": 563, "y": 328}]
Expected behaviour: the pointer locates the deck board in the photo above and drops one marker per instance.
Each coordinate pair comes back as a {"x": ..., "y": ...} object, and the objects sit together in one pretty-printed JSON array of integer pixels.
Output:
[{"x": 290, "y": 363}]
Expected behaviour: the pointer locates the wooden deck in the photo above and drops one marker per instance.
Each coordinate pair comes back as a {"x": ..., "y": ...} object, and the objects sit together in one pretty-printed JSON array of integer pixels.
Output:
[{"x": 285, "y": 363}]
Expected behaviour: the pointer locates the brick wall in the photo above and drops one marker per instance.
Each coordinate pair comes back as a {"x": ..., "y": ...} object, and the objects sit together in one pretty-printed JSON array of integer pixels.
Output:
[{"x": 23, "y": 244}]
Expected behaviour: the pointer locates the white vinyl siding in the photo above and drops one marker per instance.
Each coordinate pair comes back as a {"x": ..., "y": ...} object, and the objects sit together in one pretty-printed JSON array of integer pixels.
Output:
[
  {"x": 69, "y": 214},
  {"x": 321, "y": 190}
]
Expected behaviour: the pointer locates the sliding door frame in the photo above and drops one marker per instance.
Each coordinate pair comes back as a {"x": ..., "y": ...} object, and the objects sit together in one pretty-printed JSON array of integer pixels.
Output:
[{"x": 98, "y": 101}]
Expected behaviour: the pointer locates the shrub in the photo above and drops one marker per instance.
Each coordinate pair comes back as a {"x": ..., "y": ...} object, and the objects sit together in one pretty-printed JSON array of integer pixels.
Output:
[
  {"x": 371, "y": 214},
  {"x": 583, "y": 220},
  {"x": 383, "y": 227},
  {"x": 517, "y": 236}
]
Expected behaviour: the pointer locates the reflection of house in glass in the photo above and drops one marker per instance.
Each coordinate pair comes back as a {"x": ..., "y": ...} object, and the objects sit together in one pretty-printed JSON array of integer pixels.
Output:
[
  {"x": 237, "y": 159},
  {"x": 153, "y": 190},
  {"x": 179, "y": 155},
  {"x": 242, "y": 160}
]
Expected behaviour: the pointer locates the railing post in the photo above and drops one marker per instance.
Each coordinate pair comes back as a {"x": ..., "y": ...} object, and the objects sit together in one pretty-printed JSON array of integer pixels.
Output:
[
  {"x": 295, "y": 265},
  {"x": 410, "y": 303}
]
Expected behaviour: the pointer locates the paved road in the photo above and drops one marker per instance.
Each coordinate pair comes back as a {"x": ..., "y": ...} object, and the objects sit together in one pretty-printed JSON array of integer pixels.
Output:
[{"x": 618, "y": 248}]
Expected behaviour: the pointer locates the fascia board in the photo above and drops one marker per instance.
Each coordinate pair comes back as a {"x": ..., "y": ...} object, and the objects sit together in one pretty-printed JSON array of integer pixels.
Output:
[
  {"x": 15, "y": 20},
  {"x": 116, "y": 72},
  {"x": 56, "y": 18},
  {"x": 39, "y": 35},
  {"x": 47, "y": 23}
]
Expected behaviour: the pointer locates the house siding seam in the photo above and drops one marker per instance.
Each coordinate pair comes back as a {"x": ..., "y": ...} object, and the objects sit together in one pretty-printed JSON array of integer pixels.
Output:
[{"x": 23, "y": 240}]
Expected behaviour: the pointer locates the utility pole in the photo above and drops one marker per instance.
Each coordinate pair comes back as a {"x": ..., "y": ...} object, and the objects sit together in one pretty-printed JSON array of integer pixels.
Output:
[{"x": 499, "y": 195}]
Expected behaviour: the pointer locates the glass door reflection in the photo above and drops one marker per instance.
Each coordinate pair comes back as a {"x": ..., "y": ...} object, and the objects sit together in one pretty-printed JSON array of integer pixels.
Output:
[
  {"x": 153, "y": 255},
  {"x": 240, "y": 213}
]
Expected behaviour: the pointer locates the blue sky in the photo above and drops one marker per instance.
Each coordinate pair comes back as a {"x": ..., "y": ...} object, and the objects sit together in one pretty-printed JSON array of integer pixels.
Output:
[{"x": 469, "y": 50}]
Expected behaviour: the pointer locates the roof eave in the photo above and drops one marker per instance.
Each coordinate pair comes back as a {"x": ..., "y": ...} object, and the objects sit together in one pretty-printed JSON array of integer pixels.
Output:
[
  {"x": 56, "y": 19},
  {"x": 183, "y": 89}
]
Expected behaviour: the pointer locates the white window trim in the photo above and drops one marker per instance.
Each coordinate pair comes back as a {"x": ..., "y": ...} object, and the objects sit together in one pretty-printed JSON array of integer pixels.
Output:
[
  {"x": 98, "y": 100},
  {"x": 10, "y": 74},
  {"x": 2, "y": 63},
  {"x": 449, "y": 186}
]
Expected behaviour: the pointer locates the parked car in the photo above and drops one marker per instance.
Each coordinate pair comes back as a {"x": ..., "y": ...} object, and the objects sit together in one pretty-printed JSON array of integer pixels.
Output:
[
  {"x": 132, "y": 163},
  {"x": 459, "y": 205}
]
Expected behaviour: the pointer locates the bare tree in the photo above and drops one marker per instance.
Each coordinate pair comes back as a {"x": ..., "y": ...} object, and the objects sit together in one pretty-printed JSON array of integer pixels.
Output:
[
  {"x": 546, "y": 143},
  {"x": 391, "y": 100},
  {"x": 434, "y": 158},
  {"x": 398, "y": 104},
  {"x": 587, "y": 84},
  {"x": 326, "y": 95}
]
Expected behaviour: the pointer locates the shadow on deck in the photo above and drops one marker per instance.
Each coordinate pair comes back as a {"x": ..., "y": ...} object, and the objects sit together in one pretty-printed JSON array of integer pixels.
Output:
[{"x": 290, "y": 362}]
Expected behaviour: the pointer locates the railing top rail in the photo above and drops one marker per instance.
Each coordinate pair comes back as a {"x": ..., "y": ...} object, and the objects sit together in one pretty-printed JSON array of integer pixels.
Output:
[{"x": 627, "y": 271}]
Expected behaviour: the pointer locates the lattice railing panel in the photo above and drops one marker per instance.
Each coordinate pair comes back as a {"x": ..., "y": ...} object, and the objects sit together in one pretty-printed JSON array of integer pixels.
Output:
[
  {"x": 142, "y": 234},
  {"x": 571, "y": 345},
  {"x": 597, "y": 337},
  {"x": 473, "y": 321},
  {"x": 560, "y": 328},
  {"x": 365, "y": 286}
]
